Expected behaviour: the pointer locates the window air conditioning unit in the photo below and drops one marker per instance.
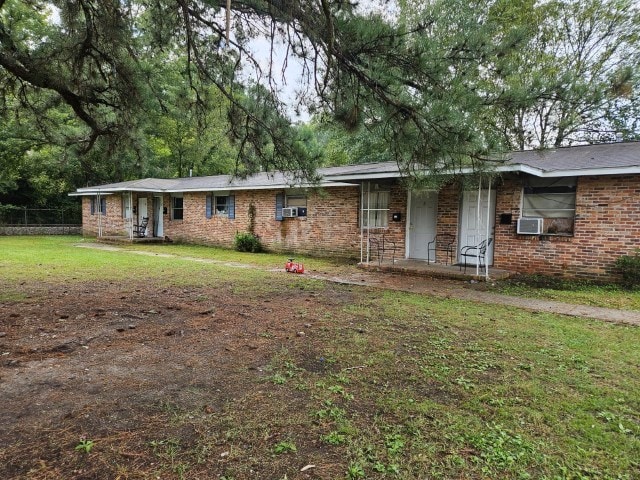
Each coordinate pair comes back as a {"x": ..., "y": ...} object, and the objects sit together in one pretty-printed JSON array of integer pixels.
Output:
[
  {"x": 290, "y": 212},
  {"x": 530, "y": 226}
]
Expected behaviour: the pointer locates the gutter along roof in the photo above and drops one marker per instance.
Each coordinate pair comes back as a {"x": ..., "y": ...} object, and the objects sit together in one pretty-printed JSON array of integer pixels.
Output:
[{"x": 601, "y": 159}]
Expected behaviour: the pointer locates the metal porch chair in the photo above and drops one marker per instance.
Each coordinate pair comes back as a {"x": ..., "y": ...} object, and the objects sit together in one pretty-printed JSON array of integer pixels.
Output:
[{"x": 479, "y": 252}]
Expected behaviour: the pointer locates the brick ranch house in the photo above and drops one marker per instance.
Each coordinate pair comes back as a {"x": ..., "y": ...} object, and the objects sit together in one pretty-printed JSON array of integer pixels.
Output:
[{"x": 567, "y": 212}]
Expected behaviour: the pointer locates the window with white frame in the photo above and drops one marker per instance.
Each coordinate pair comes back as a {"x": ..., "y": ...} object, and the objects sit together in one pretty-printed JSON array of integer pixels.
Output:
[
  {"x": 221, "y": 205},
  {"x": 98, "y": 206},
  {"x": 375, "y": 205},
  {"x": 553, "y": 200},
  {"x": 177, "y": 212}
]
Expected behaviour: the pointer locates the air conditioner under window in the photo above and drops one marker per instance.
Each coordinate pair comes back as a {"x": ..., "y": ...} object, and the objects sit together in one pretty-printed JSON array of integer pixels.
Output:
[
  {"x": 290, "y": 212},
  {"x": 530, "y": 226}
]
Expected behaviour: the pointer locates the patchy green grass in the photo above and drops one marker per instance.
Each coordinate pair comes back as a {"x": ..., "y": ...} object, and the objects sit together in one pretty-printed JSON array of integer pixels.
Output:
[
  {"x": 407, "y": 386},
  {"x": 223, "y": 255},
  {"x": 382, "y": 384},
  {"x": 458, "y": 390},
  {"x": 62, "y": 258},
  {"x": 583, "y": 293}
]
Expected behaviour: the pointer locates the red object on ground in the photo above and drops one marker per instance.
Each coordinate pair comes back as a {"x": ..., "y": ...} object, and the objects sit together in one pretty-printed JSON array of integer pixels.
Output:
[{"x": 294, "y": 267}]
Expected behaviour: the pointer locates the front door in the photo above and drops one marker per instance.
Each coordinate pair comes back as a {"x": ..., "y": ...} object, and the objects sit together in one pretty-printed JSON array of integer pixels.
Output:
[
  {"x": 473, "y": 223},
  {"x": 158, "y": 226},
  {"x": 422, "y": 223},
  {"x": 142, "y": 209}
]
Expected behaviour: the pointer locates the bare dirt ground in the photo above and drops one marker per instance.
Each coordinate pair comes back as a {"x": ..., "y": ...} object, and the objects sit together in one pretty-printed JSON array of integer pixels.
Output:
[{"x": 112, "y": 363}]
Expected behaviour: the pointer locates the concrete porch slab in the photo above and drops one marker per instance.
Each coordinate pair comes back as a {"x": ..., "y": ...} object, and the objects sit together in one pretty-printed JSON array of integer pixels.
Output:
[
  {"x": 434, "y": 270},
  {"x": 122, "y": 239}
]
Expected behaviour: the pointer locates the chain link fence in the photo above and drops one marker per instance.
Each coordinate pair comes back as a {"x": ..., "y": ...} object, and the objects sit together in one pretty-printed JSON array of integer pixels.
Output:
[{"x": 41, "y": 217}]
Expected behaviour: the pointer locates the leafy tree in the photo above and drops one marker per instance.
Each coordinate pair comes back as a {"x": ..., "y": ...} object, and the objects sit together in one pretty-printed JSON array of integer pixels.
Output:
[
  {"x": 188, "y": 133},
  {"x": 415, "y": 87},
  {"x": 575, "y": 77},
  {"x": 585, "y": 54},
  {"x": 443, "y": 86}
]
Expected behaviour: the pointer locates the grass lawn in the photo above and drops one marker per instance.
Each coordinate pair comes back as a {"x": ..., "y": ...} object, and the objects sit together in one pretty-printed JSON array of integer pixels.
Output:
[{"x": 300, "y": 379}]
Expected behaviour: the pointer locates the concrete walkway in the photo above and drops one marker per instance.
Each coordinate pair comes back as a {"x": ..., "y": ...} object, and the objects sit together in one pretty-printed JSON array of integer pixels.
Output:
[
  {"x": 424, "y": 285},
  {"x": 439, "y": 287}
]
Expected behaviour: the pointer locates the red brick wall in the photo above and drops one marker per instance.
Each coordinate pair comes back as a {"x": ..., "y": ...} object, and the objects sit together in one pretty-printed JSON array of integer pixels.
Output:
[
  {"x": 330, "y": 228},
  {"x": 607, "y": 226},
  {"x": 447, "y": 219},
  {"x": 112, "y": 223}
]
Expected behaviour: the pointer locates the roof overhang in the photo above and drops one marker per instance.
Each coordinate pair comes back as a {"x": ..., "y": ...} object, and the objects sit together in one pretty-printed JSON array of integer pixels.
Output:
[
  {"x": 82, "y": 194},
  {"x": 352, "y": 176},
  {"x": 274, "y": 186},
  {"x": 91, "y": 191},
  {"x": 569, "y": 172},
  {"x": 366, "y": 176}
]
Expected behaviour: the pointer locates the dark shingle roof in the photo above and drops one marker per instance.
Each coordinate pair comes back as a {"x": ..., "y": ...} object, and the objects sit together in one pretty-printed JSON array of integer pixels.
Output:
[
  {"x": 217, "y": 182},
  {"x": 361, "y": 169},
  {"x": 601, "y": 159},
  {"x": 583, "y": 157}
]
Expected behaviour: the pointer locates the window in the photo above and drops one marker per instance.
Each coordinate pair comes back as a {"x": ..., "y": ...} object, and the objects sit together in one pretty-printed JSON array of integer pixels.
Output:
[
  {"x": 221, "y": 204},
  {"x": 296, "y": 201},
  {"x": 94, "y": 205},
  {"x": 279, "y": 205},
  {"x": 177, "y": 207},
  {"x": 299, "y": 201},
  {"x": 375, "y": 206},
  {"x": 554, "y": 200}
]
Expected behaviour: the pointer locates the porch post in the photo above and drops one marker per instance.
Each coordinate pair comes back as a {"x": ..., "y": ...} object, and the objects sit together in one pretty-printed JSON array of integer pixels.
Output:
[
  {"x": 129, "y": 220},
  {"x": 479, "y": 220},
  {"x": 99, "y": 207},
  {"x": 486, "y": 256},
  {"x": 368, "y": 221},
  {"x": 368, "y": 199},
  {"x": 361, "y": 223}
]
